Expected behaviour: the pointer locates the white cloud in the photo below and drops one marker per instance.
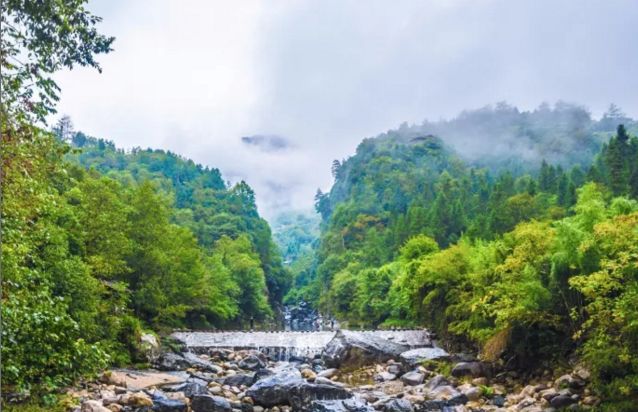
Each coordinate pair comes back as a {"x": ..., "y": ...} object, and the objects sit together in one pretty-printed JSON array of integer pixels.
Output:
[{"x": 193, "y": 76}]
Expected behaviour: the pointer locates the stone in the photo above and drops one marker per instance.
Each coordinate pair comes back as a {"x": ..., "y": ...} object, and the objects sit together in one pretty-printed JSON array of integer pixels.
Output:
[
  {"x": 163, "y": 404},
  {"x": 239, "y": 379},
  {"x": 482, "y": 381},
  {"x": 93, "y": 406},
  {"x": 342, "y": 405},
  {"x": 149, "y": 346},
  {"x": 417, "y": 356},
  {"x": 288, "y": 387},
  {"x": 189, "y": 389},
  {"x": 444, "y": 392},
  {"x": 385, "y": 376},
  {"x": 548, "y": 394},
  {"x": 274, "y": 390},
  {"x": 438, "y": 380},
  {"x": 561, "y": 401},
  {"x": 395, "y": 369},
  {"x": 398, "y": 405},
  {"x": 138, "y": 399},
  {"x": 210, "y": 403},
  {"x": 113, "y": 378},
  {"x": 413, "y": 378},
  {"x": 252, "y": 362},
  {"x": 472, "y": 392},
  {"x": 170, "y": 361},
  {"x": 328, "y": 373},
  {"x": 201, "y": 364},
  {"x": 356, "y": 349},
  {"x": 308, "y": 374},
  {"x": 471, "y": 369}
]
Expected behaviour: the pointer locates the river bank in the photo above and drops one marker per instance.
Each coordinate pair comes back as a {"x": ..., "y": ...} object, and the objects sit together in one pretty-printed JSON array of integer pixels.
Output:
[{"x": 354, "y": 372}]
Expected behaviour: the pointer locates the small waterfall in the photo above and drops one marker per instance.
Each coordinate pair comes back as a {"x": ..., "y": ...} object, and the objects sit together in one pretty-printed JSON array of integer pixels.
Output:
[{"x": 288, "y": 345}]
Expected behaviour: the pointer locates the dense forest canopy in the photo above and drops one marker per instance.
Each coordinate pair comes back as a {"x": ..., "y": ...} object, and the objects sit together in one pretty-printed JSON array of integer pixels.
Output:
[
  {"x": 522, "y": 263},
  {"x": 99, "y": 244}
]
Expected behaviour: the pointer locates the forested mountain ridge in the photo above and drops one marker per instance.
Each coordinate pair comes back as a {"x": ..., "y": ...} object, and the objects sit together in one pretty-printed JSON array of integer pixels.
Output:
[
  {"x": 512, "y": 262},
  {"x": 204, "y": 203}
]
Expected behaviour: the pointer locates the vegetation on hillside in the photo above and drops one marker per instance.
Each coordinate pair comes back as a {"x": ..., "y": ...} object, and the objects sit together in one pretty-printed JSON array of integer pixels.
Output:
[
  {"x": 524, "y": 266},
  {"x": 98, "y": 243}
]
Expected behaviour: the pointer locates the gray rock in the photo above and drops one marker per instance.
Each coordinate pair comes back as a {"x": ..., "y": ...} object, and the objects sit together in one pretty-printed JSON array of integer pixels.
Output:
[
  {"x": 209, "y": 403},
  {"x": 190, "y": 389},
  {"x": 275, "y": 389},
  {"x": 239, "y": 379},
  {"x": 385, "y": 376},
  {"x": 355, "y": 349},
  {"x": 345, "y": 405},
  {"x": 473, "y": 369},
  {"x": 395, "y": 369},
  {"x": 163, "y": 404},
  {"x": 417, "y": 356},
  {"x": 561, "y": 401},
  {"x": 440, "y": 405},
  {"x": 287, "y": 387},
  {"x": 170, "y": 361},
  {"x": 398, "y": 405},
  {"x": 413, "y": 378},
  {"x": 252, "y": 362},
  {"x": 445, "y": 392},
  {"x": 198, "y": 363},
  {"x": 149, "y": 347},
  {"x": 438, "y": 380},
  {"x": 328, "y": 373}
]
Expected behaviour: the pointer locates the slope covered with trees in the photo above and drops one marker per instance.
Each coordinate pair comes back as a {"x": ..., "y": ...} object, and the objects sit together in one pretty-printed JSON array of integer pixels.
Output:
[
  {"x": 99, "y": 244},
  {"x": 523, "y": 265}
]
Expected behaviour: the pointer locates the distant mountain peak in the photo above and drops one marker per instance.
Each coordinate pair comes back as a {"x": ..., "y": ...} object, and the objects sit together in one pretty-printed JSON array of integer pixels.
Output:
[{"x": 266, "y": 142}]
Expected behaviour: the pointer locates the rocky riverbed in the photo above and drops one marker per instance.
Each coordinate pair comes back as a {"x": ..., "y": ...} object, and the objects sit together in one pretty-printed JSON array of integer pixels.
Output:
[{"x": 355, "y": 372}]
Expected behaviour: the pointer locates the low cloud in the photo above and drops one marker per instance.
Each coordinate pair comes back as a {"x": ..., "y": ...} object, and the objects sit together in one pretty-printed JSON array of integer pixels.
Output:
[{"x": 195, "y": 77}]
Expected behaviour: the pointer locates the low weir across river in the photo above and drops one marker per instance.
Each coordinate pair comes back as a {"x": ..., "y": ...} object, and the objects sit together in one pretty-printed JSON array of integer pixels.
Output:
[{"x": 285, "y": 345}]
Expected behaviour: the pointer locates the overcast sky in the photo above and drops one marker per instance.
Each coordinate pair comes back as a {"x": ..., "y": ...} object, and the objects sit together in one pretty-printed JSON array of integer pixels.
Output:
[{"x": 194, "y": 76}]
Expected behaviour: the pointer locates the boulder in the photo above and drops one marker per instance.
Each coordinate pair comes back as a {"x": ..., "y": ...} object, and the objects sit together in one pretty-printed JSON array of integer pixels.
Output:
[
  {"x": 328, "y": 373},
  {"x": 342, "y": 405},
  {"x": 196, "y": 362},
  {"x": 163, "y": 404},
  {"x": 385, "y": 376},
  {"x": 93, "y": 406},
  {"x": 301, "y": 395},
  {"x": 438, "y": 380},
  {"x": 170, "y": 361},
  {"x": 561, "y": 401},
  {"x": 253, "y": 362},
  {"x": 239, "y": 379},
  {"x": 149, "y": 347},
  {"x": 398, "y": 405},
  {"x": 210, "y": 403},
  {"x": 275, "y": 389},
  {"x": 413, "y": 378},
  {"x": 287, "y": 387},
  {"x": 137, "y": 399},
  {"x": 189, "y": 389},
  {"x": 417, "y": 356},
  {"x": 440, "y": 405},
  {"x": 472, "y": 369},
  {"x": 355, "y": 349}
]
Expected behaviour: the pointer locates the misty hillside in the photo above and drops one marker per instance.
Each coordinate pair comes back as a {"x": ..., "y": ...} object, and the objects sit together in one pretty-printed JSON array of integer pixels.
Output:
[{"x": 502, "y": 136}]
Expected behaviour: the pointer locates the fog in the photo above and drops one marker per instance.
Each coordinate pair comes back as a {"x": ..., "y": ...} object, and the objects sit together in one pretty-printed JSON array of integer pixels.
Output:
[{"x": 305, "y": 81}]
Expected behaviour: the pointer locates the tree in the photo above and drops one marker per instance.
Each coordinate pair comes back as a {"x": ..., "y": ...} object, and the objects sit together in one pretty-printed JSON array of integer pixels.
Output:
[
  {"x": 617, "y": 157},
  {"x": 38, "y": 39}
]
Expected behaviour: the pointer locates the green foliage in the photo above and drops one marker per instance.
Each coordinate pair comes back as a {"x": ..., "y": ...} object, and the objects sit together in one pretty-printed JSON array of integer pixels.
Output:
[
  {"x": 38, "y": 39},
  {"x": 529, "y": 265}
]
